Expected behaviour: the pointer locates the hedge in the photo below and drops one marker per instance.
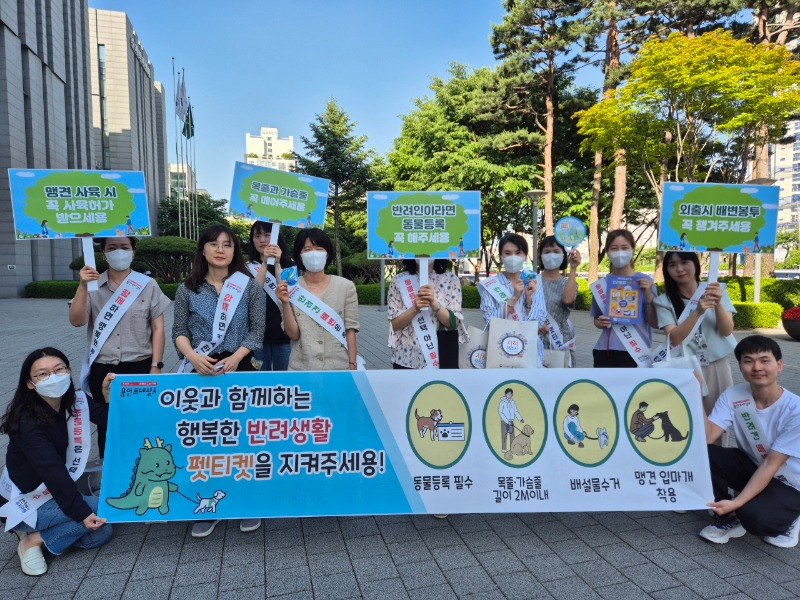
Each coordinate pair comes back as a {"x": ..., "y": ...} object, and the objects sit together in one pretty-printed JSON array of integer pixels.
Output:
[
  {"x": 750, "y": 315},
  {"x": 66, "y": 289},
  {"x": 785, "y": 292}
]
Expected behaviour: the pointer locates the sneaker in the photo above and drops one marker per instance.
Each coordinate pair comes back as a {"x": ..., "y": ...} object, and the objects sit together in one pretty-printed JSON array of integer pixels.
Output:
[
  {"x": 441, "y": 516},
  {"x": 723, "y": 529},
  {"x": 247, "y": 525},
  {"x": 788, "y": 539},
  {"x": 32, "y": 560},
  {"x": 201, "y": 529}
]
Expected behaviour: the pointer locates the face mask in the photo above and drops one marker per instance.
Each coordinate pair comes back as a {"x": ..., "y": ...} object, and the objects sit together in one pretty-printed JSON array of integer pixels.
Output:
[
  {"x": 513, "y": 264},
  {"x": 314, "y": 260},
  {"x": 552, "y": 261},
  {"x": 620, "y": 259},
  {"x": 54, "y": 386},
  {"x": 119, "y": 260}
]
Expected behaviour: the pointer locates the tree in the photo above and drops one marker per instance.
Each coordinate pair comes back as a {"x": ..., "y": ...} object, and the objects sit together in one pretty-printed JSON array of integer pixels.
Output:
[
  {"x": 334, "y": 152},
  {"x": 209, "y": 212}
]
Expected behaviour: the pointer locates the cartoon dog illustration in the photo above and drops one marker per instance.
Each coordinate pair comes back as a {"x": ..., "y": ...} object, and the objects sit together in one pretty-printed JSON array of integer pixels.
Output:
[
  {"x": 429, "y": 423},
  {"x": 602, "y": 435},
  {"x": 521, "y": 444},
  {"x": 209, "y": 504},
  {"x": 671, "y": 432}
]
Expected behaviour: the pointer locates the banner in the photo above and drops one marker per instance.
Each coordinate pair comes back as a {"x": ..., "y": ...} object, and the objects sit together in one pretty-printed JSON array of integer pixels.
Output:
[
  {"x": 298, "y": 444},
  {"x": 697, "y": 217},
  {"x": 50, "y": 203},
  {"x": 432, "y": 224},
  {"x": 262, "y": 194}
]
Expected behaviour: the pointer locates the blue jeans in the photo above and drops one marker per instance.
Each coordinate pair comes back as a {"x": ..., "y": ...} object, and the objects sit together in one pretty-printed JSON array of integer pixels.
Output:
[
  {"x": 274, "y": 357},
  {"x": 59, "y": 532}
]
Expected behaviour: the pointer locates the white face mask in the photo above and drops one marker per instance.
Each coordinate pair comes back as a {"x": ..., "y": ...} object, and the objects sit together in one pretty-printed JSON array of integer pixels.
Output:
[
  {"x": 119, "y": 260},
  {"x": 620, "y": 259},
  {"x": 513, "y": 264},
  {"x": 54, "y": 386},
  {"x": 314, "y": 260},
  {"x": 552, "y": 260}
]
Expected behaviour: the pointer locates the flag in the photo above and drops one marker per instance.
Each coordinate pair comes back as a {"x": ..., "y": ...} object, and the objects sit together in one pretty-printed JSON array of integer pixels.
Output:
[
  {"x": 188, "y": 124},
  {"x": 181, "y": 100}
]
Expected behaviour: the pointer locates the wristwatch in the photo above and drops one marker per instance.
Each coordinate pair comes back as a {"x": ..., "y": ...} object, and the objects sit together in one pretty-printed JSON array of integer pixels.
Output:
[{"x": 158, "y": 365}]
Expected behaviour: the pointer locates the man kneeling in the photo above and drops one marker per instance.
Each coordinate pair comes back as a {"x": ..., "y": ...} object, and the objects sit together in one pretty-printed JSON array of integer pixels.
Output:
[{"x": 765, "y": 468}]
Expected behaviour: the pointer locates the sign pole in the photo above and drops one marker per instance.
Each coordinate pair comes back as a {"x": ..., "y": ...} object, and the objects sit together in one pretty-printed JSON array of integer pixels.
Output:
[
  {"x": 273, "y": 239},
  {"x": 383, "y": 284},
  {"x": 423, "y": 274},
  {"x": 88, "y": 259}
]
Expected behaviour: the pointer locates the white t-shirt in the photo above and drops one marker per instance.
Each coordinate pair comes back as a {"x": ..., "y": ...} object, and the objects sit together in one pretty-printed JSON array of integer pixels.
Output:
[{"x": 779, "y": 424}]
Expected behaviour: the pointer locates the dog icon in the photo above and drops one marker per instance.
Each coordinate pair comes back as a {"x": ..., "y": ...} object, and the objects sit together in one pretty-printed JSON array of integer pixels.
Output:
[
  {"x": 429, "y": 424},
  {"x": 521, "y": 445},
  {"x": 209, "y": 504},
  {"x": 670, "y": 431}
]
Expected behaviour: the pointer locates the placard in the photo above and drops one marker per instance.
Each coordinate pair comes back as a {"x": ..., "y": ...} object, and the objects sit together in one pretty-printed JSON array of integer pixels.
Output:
[
  {"x": 59, "y": 203},
  {"x": 249, "y": 445},
  {"x": 625, "y": 299},
  {"x": 720, "y": 217},
  {"x": 294, "y": 199},
  {"x": 423, "y": 224}
]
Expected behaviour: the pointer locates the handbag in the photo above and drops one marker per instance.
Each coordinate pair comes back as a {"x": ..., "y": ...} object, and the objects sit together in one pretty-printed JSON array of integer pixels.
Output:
[
  {"x": 556, "y": 359},
  {"x": 448, "y": 343},
  {"x": 512, "y": 344},
  {"x": 685, "y": 361},
  {"x": 472, "y": 354}
]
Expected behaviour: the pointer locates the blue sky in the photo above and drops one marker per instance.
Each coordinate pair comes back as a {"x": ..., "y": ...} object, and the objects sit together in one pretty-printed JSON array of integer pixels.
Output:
[{"x": 250, "y": 63}]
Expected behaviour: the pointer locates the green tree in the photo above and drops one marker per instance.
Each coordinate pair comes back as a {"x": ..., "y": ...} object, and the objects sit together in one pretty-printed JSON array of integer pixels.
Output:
[
  {"x": 209, "y": 211},
  {"x": 336, "y": 153}
]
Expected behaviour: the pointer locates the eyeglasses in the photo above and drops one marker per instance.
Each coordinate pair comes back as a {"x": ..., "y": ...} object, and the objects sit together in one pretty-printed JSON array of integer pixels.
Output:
[
  {"x": 42, "y": 375},
  {"x": 215, "y": 246}
]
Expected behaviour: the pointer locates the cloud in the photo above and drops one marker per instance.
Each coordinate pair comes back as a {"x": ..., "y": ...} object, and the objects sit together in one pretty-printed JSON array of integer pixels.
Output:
[
  {"x": 246, "y": 167},
  {"x": 25, "y": 174},
  {"x": 770, "y": 206},
  {"x": 306, "y": 179},
  {"x": 472, "y": 211},
  {"x": 450, "y": 197},
  {"x": 379, "y": 196},
  {"x": 676, "y": 187},
  {"x": 137, "y": 191},
  {"x": 110, "y": 176},
  {"x": 749, "y": 190},
  {"x": 322, "y": 194}
]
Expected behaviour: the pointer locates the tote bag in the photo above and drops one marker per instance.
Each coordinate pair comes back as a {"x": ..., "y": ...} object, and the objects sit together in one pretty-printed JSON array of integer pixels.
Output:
[
  {"x": 472, "y": 355},
  {"x": 512, "y": 344}
]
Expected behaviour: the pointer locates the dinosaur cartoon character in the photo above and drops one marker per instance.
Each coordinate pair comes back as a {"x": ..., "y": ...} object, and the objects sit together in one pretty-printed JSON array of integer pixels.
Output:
[{"x": 150, "y": 485}]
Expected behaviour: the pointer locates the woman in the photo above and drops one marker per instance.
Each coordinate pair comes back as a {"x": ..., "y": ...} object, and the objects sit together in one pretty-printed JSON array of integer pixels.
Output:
[
  {"x": 40, "y": 426},
  {"x": 316, "y": 347},
  {"x": 705, "y": 330},
  {"x": 559, "y": 292},
  {"x": 507, "y": 296},
  {"x": 442, "y": 297},
  {"x": 274, "y": 355},
  {"x": 611, "y": 351},
  {"x": 209, "y": 339}
]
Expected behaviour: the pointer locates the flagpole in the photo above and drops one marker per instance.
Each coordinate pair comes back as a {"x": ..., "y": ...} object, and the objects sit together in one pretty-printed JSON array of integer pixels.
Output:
[
  {"x": 194, "y": 168},
  {"x": 175, "y": 125}
]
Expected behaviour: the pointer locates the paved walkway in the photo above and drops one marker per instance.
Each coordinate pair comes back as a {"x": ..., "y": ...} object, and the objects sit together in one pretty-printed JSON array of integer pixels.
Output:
[{"x": 617, "y": 556}]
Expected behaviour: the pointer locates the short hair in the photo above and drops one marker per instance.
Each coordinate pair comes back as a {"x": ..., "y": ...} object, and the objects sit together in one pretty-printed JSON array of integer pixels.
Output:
[
  {"x": 508, "y": 390},
  {"x": 753, "y": 344},
  {"x": 439, "y": 265},
  {"x": 615, "y": 233},
  {"x": 643, "y": 405},
  {"x": 104, "y": 240},
  {"x": 551, "y": 242},
  {"x": 318, "y": 238},
  {"x": 513, "y": 238},
  {"x": 573, "y": 407}
]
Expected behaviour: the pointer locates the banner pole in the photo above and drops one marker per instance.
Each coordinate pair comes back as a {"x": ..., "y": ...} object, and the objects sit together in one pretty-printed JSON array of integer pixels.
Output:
[{"x": 88, "y": 259}]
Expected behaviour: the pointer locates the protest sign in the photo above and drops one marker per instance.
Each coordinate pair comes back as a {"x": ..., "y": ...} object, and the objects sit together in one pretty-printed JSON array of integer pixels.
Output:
[
  {"x": 429, "y": 224},
  {"x": 718, "y": 217},
  {"x": 380, "y": 442}
]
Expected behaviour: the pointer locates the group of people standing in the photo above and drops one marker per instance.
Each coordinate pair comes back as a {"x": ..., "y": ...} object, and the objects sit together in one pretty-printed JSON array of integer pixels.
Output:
[{"x": 233, "y": 314}]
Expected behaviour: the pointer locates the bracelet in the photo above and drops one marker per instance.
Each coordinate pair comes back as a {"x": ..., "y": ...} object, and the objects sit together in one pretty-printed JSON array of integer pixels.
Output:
[{"x": 352, "y": 363}]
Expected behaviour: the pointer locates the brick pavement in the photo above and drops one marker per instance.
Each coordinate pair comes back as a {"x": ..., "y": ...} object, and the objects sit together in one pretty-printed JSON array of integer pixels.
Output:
[{"x": 537, "y": 555}]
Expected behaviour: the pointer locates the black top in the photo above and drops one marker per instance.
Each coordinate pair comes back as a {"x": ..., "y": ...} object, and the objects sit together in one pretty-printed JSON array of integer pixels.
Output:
[
  {"x": 274, "y": 333},
  {"x": 38, "y": 454}
]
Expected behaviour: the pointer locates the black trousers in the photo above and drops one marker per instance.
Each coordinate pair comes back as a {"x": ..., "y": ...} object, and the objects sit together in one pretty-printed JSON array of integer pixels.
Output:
[
  {"x": 613, "y": 359},
  {"x": 98, "y": 373},
  {"x": 771, "y": 512}
]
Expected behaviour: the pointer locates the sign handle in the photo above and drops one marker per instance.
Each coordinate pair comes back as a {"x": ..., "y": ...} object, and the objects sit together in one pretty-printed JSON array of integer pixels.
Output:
[
  {"x": 423, "y": 274},
  {"x": 273, "y": 239},
  {"x": 713, "y": 266},
  {"x": 88, "y": 259}
]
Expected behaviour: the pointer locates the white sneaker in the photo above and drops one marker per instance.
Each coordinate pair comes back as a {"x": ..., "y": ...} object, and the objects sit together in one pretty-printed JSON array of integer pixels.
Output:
[
  {"x": 247, "y": 525},
  {"x": 788, "y": 539},
  {"x": 201, "y": 529},
  {"x": 723, "y": 529}
]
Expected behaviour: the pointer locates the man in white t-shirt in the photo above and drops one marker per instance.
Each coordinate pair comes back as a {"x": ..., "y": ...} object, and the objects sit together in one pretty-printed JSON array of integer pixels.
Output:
[{"x": 765, "y": 468}]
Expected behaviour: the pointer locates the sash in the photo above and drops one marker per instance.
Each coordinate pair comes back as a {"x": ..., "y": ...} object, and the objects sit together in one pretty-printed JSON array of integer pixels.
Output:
[
  {"x": 23, "y": 507},
  {"x": 627, "y": 334},
  {"x": 109, "y": 317},
  {"x": 661, "y": 352},
  {"x": 270, "y": 283},
  {"x": 498, "y": 292},
  {"x": 323, "y": 315},
  {"x": 229, "y": 297},
  {"x": 554, "y": 335},
  {"x": 424, "y": 322},
  {"x": 745, "y": 411}
]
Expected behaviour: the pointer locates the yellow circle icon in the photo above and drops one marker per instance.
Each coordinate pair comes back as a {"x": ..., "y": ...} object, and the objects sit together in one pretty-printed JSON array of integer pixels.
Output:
[
  {"x": 438, "y": 424},
  {"x": 585, "y": 421},
  {"x": 515, "y": 423},
  {"x": 658, "y": 422}
]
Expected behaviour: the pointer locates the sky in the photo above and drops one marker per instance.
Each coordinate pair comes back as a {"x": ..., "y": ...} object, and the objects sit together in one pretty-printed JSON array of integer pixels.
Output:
[{"x": 251, "y": 63}]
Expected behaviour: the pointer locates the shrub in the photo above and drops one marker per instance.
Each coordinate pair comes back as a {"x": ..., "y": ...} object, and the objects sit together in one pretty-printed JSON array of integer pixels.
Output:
[
  {"x": 470, "y": 297},
  {"x": 66, "y": 289},
  {"x": 750, "y": 315},
  {"x": 370, "y": 293},
  {"x": 359, "y": 269},
  {"x": 792, "y": 260},
  {"x": 583, "y": 301},
  {"x": 168, "y": 258},
  {"x": 785, "y": 292}
]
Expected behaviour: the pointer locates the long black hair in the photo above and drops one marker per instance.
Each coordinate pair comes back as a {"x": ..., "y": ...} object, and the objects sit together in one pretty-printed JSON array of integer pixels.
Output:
[
  {"x": 266, "y": 227},
  {"x": 200, "y": 264},
  {"x": 28, "y": 401},
  {"x": 439, "y": 265},
  {"x": 671, "y": 286}
]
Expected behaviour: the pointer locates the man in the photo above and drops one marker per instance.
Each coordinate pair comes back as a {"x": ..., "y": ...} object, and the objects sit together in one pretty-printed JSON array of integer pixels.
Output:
[
  {"x": 641, "y": 426},
  {"x": 508, "y": 411},
  {"x": 765, "y": 468}
]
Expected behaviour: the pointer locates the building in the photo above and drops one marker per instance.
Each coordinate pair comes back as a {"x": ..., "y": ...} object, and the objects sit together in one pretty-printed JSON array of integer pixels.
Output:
[
  {"x": 182, "y": 180},
  {"x": 267, "y": 149},
  {"x": 785, "y": 169},
  {"x": 45, "y": 122},
  {"x": 129, "y": 113}
]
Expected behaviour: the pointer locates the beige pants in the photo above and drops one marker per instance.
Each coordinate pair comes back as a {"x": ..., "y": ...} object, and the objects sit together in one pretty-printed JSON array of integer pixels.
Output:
[{"x": 718, "y": 379}]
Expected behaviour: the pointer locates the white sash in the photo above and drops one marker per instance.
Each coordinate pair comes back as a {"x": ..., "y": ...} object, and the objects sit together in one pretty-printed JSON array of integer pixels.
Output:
[
  {"x": 627, "y": 334},
  {"x": 229, "y": 297},
  {"x": 661, "y": 353},
  {"x": 744, "y": 409},
  {"x": 270, "y": 283},
  {"x": 23, "y": 507},
  {"x": 554, "y": 335},
  {"x": 498, "y": 292},
  {"x": 109, "y": 317},
  {"x": 323, "y": 315},
  {"x": 424, "y": 322}
]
